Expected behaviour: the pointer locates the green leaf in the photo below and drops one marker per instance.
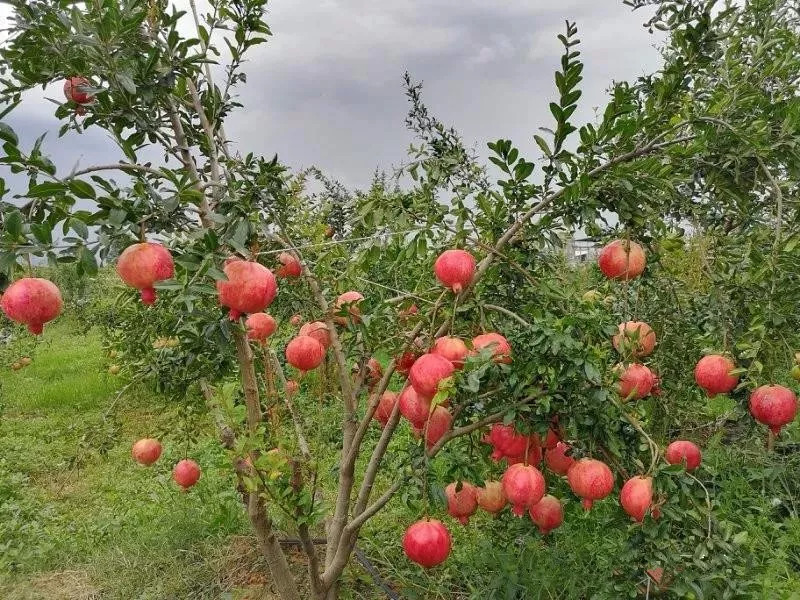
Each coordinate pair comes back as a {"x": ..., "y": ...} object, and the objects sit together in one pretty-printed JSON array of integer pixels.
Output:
[
  {"x": 81, "y": 189},
  {"x": 543, "y": 145},
  {"x": 43, "y": 190},
  {"x": 79, "y": 227},
  {"x": 126, "y": 82},
  {"x": 13, "y": 224},
  {"x": 7, "y": 134},
  {"x": 87, "y": 261}
]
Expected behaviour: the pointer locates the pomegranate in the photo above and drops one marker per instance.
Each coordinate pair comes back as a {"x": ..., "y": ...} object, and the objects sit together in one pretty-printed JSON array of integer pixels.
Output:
[
  {"x": 74, "y": 90},
  {"x": 557, "y": 459},
  {"x": 500, "y": 347},
  {"x": 635, "y": 338},
  {"x": 523, "y": 485},
  {"x": 506, "y": 441},
  {"x": 319, "y": 331},
  {"x": 455, "y": 269},
  {"x": 426, "y": 373},
  {"x": 452, "y": 348},
  {"x": 682, "y": 450},
  {"x": 712, "y": 373},
  {"x": 374, "y": 372},
  {"x": 636, "y": 381},
  {"x": 461, "y": 504},
  {"x": 591, "y": 480},
  {"x": 405, "y": 362},
  {"x": 142, "y": 265},
  {"x": 296, "y": 319},
  {"x": 292, "y": 387},
  {"x": 290, "y": 266},
  {"x": 438, "y": 424},
  {"x": 414, "y": 407},
  {"x": 146, "y": 451},
  {"x": 304, "y": 353},
  {"x": 774, "y": 406},
  {"x": 250, "y": 287},
  {"x": 548, "y": 514},
  {"x": 385, "y": 407},
  {"x": 622, "y": 259},
  {"x": 186, "y": 473},
  {"x": 636, "y": 497},
  {"x": 260, "y": 326},
  {"x": 491, "y": 497},
  {"x": 349, "y": 300},
  {"x": 32, "y": 301},
  {"x": 553, "y": 437},
  {"x": 427, "y": 543}
]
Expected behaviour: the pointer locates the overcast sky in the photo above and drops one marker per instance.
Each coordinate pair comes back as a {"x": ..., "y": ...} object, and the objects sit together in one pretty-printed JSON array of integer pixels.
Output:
[{"x": 327, "y": 89}]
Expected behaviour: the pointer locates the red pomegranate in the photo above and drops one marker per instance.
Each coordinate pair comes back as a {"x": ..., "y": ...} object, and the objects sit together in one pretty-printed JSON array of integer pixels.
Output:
[
  {"x": 636, "y": 381},
  {"x": 319, "y": 331},
  {"x": 523, "y": 485},
  {"x": 146, "y": 451},
  {"x": 32, "y": 301},
  {"x": 427, "y": 543},
  {"x": 74, "y": 90},
  {"x": 452, "y": 348},
  {"x": 636, "y": 496},
  {"x": 438, "y": 424},
  {"x": 296, "y": 319},
  {"x": 414, "y": 407},
  {"x": 374, "y": 372},
  {"x": 250, "y": 287},
  {"x": 712, "y": 373},
  {"x": 405, "y": 361},
  {"x": 426, "y": 373},
  {"x": 622, "y": 260},
  {"x": 142, "y": 265},
  {"x": 385, "y": 407},
  {"x": 260, "y": 326},
  {"x": 531, "y": 455},
  {"x": 500, "y": 347},
  {"x": 506, "y": 441},
  {"x": 635, "y": 338},
  {"x": 682, "y": 450},
  {"x": 557, "y": 459},
  {"x": 292, "y": 387},
  {"x": 548, "y": 514},
  {"x": 186, "y": 473},
  {"x": 304, "y": 353},
  {"x": 553, "y": 437},
  {"x": 352, "y": 300},
  {"x": 591, "y": 480},
  {"x": 290, "y": 266},
  {"x": 774, "y": 406},
  {"x": 461, "y": 504},
  {"x": 455, "y": 269},
  {"x": 491, "y": 497}
]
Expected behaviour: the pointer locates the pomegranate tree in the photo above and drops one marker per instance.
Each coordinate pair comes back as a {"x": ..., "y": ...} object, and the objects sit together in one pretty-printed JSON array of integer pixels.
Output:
[
  {"x": 32, "y": 301},
  {"x": 462, "y": 500},
  {"x": 548, "y": 514},
  {"x": 455, "y": 269},
  {"x": 622, "y": 259},
  {"x": 142, "y": 265},
  {"x": 713, "y": 374},
  {"x": 427, "y": 543},
  {"x": 250, "y": 287},
  {"x": 591, "y": 480}
]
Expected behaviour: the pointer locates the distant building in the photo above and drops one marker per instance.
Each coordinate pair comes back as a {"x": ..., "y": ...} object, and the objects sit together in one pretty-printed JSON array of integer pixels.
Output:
[{"x": 580, "y": 251}]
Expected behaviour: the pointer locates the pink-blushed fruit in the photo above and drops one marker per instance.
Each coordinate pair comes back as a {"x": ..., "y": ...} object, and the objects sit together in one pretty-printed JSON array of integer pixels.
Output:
[
  {"x": 296, "y": 320},
  {"x": 349, "y": 300},
  {"x": 32, "y": 301},
  {"x": 491, "y": 497},
  {"x": 405, "y": 361},
  {"x": 319, "y": 331},
  {"x": 292, "y": 387},
  {"x": 548, "y": 514},
  {"x": 146, "y": 451},
  {"x": 622, "y": 259},
  {"x": 374, "y": 372},
  {"x": 186, "y": 473},
  {"x": 591, "y": 480},
  {"x": 523, "y": 485},
  {"x": 506, "y": 441},
  {"x": 635, "y": 338},
  {"x": 455, "y": 269},
  {"x": 683, "y": 450},
  {"x": 636, "y": 381},
  {"x": 414, "y": 407},
  {"x": 73, "y": 90},
  {"x": 461, "y": 504},
  {"x": 438, "y": 424},
  {"x": 142, "y": 265},
  {"x": 250, "y": 287},
  {"x": 713, "y": 374},
  {"x": 304, "y": 353},
  {"x": 501, "y": 349},
  {"x": 557, "y": 459},
  {"x": 426, "y": 373},
  {"x": 452, "y": 348},
  {"x": 427, "y": 543},
  {"x": 260, "y": 326},
  {"x": 290, "y": 266},
  {"x": 385, "y": 407},
  {"x": 773, "y": 406},
  {"x": 636, "y": 497}
]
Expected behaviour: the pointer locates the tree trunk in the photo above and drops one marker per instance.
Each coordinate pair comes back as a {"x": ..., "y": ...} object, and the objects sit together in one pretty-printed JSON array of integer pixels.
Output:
[{"x": 282, "y": 577}]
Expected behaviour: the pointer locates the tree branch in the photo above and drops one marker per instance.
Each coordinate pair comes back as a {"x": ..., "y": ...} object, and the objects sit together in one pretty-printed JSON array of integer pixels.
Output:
[{"x": 508, "y": 313}]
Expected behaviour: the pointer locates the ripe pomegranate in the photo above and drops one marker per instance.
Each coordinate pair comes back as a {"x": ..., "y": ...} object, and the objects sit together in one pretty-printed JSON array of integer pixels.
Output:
[
  {"x": 506, "y": 441},
  {"x": 74, "y": 92},
  {"x": 557, "y": 459},
  {"x": 500, "y": 347},
  {"x": 260, "y": 326},
  {"x": 591, "y": 480},
  {"x": 319, "y": 331},
  {"x": 32, "y": 301},
  {"x": 681, "y": 450},
  {"x": 452, "y": 348},
  {"x": 774, "y": 406},
  {"x": 523, "y": 485},
  {"x": 304, "y": 353},
  {"x": 352, "y": 300},
  {"x": 622, "y": 260},
  {"x": 250, "y": 287},
  {"x": 290, "y": 266},
  {"x": 374, "y": 372},
  {"x": 186, "y": 473},
  {"x": 635, "y": 338},
  {"x": 636, "y": 497},
  {"x": 461, "y": 504},
  {"x": 405, "y": 362},
  {"x": 636, "y": 381},
  {"x": 426, "y": 373},
  {"x": 146, "y": 451},
  {"x": 553, "y": 436},
  {"x": 414, "y": 407},
  {"x": 455, "y": 269},
  {"x": 385, "y": 407},
  {"x": 427, "y": 543},
  {"x": 438, "y": 424},
  {"x": 712, "y": 373},
  {"x": 296, "y": 319},
  {"x": 548, "y": 514},
  {"x": 142, "y": 265},
  {"x": 491, "y": 497}
]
